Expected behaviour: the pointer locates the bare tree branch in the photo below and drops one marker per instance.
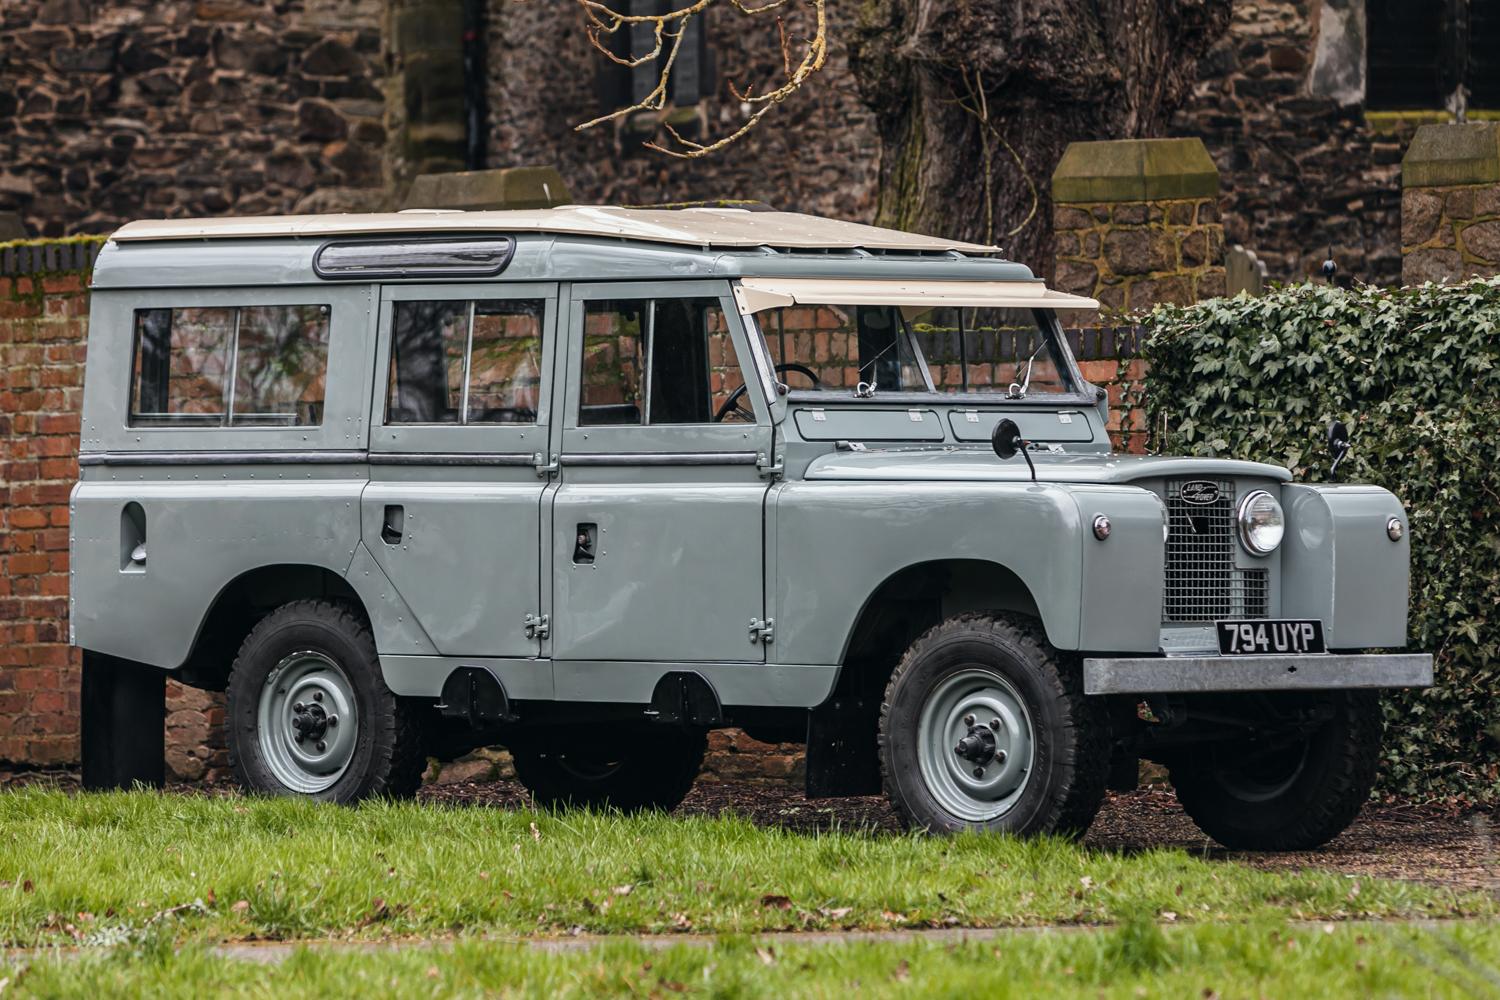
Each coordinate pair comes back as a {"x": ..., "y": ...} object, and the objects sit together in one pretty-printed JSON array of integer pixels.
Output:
[{"x": 603, "y": 22}]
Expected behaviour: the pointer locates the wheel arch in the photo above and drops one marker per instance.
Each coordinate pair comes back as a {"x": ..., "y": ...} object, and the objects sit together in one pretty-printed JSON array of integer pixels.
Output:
[{"x": 244, "y": 601}]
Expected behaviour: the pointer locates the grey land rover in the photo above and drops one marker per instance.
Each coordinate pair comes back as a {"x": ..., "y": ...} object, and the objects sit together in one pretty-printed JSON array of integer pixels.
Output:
[{"x": 589, "y": 482}]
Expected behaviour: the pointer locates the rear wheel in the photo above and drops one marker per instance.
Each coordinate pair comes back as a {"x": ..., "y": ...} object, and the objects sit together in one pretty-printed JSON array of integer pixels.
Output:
[
  {"x": 986, "y": 727},
  {"x": 309, "y": 712},
  {"x": 629, "y": 770},
  {"x": 1288, "y": 792}
]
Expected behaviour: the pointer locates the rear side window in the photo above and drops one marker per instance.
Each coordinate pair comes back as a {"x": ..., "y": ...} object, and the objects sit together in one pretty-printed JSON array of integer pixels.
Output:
[
  {"x": 465, "y": 362},
  {"x": 230, "y": 366}
]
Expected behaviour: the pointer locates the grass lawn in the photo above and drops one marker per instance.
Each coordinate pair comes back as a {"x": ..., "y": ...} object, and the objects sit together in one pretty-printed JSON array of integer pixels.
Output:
[
  {"x": 126, "y": 867},
  {"x": 1132, "y": 960}
]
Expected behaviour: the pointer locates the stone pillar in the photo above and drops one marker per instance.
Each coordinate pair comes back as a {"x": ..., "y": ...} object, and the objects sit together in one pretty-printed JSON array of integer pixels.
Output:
[
  {"x": 1136, "y": 222},
  {"x": 425, "y": 87},
  {"x": 1450, "y": 203}
]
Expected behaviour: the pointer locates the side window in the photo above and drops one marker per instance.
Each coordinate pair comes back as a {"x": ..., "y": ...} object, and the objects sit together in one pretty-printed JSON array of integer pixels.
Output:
[
  {"x": 465, "y": 362},
  {"x": 658, "y": 361},
  {"x": 231, "y": 366}
]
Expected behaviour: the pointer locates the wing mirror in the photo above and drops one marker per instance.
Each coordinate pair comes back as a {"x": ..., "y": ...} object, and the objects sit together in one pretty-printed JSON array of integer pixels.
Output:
[
  {"x": 1006, "y": 440},
  {"x": 1338, "y": 444}
]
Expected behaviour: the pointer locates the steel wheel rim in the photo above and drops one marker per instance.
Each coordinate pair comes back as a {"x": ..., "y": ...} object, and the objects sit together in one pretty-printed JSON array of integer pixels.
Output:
[
  {"x": 987, "y": 698},
  {"x": 1248, "y": 785},
  {"x": 305, "y": 684},
  {"x": 587, "y": 769}
]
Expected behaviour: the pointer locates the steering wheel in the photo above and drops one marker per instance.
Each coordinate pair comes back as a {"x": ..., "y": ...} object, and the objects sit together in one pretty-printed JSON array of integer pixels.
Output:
[{"x": 735, "y": 405}]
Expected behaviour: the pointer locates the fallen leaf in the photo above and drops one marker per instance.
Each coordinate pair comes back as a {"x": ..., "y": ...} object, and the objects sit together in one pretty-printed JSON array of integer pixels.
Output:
[
  {"x": 210, "y": 899},
  {"x": 623, "y": 890},
  {"x": 681, "y": 921},
  {"x": 536, "y": 834},
  {"x": 837, "y": 913},
  {"x": 432, "y": 972},
  {"x": 242, "y": 906},
  {"x": 778, "y": 902},
  {"x": 1087, "y": 882},
  {"x": 1168, "y": 916},
  {"x": 767, "y": 956},
  {"x": 902, "y": 972},
  {"x": 27, "y": 886},
  {"x": 484, "y": 875},
  {"x": 892, "y": 915}
]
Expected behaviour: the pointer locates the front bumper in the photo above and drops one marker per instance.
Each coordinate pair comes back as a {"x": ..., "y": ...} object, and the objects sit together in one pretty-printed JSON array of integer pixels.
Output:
[{"x": 1198, "y": 674}]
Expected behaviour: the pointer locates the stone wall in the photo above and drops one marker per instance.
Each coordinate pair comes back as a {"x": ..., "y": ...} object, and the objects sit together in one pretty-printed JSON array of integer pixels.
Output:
[
  {"x": 1133, "y": 255},
  {"x": 815, "y": 153},
  {"x": 118, "y": 111},
  {"x": 1450, "y": 206},
  {"x": 1279, "y": 106}
]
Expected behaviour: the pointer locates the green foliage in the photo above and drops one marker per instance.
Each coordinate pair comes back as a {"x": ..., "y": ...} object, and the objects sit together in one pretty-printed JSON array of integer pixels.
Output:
[{"x": 1415, "y": 373}]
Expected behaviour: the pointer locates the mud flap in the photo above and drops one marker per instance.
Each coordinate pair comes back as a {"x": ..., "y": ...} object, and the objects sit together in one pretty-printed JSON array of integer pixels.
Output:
[{"x": 124, "y": 709}]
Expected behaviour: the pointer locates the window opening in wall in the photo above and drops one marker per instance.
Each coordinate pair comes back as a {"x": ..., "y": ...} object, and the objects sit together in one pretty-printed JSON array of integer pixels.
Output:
[
  {"x": 230, "y": 366},
  {"x": 1432, "y": 54},
  {"x": 465, "y": 362},
  {"x": 657, "y": 361}
]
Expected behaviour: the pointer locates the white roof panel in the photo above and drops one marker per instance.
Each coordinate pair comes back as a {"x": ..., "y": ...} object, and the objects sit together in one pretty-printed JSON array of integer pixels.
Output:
[
  {"x": 699, "y": 227},
  {"x": 755, "y": 294}
]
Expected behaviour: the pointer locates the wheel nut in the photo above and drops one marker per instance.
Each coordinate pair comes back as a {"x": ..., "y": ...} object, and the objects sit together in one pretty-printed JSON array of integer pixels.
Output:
[
  {"x": 959, "y": 749},
  {"x": 1000, "y": 756},
  {"x": 978, "y": 772},
  {"x": 299, "y": 707},
  {"x": 317, "y": 696},
  {"x": 322, "y": 746},
  {"x": 968, "y": 720},
  {"x": 995, "y": 725},
  {"x": 299, "y": 737},
  {"x": 333, "y": 720}
]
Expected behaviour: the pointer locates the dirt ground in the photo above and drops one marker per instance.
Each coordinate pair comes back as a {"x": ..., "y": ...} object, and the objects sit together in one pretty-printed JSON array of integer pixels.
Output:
[{"x": 1429, "y": 843}]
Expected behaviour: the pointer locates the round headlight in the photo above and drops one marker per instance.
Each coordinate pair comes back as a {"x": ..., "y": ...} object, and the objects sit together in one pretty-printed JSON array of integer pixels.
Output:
[{"x": 1261, "y": 522}]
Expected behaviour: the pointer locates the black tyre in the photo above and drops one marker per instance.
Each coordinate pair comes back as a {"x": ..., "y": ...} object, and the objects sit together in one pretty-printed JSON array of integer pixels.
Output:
[
  {"x": 309, "y": 713},
  {"x": 629, "y": 770},
  {"x": 1287, "y": 795},
  {"x": 986, "y": 727}
]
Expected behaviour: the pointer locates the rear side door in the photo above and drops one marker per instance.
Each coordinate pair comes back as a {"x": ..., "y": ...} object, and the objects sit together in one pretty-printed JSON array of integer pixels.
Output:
[
  {"x": 459, "y": 429},
  {"x": 658, "y": 526}
]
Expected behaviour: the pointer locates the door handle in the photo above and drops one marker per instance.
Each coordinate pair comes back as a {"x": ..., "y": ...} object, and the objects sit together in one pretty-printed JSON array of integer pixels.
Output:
[{"x": 393, "y": 524}]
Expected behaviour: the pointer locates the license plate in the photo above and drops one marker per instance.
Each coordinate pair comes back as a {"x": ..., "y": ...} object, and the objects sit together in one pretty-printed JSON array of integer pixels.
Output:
[{"x": 1271, "y": 637}]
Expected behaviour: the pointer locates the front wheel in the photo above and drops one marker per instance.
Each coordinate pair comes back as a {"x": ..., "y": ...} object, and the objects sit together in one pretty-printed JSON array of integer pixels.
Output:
[
  {"x": 309, "y": 712},
  {"x": 986, "y": 727},
  {"x": 1287, "y": 791}
]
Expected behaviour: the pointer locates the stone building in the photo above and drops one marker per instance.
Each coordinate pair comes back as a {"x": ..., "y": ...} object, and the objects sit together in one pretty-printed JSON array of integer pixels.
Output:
[{"x": 114, "y": 110}]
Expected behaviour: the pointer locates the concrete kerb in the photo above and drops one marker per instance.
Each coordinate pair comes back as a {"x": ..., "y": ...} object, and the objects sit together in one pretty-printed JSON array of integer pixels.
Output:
[{"x": 276, "y": 952}]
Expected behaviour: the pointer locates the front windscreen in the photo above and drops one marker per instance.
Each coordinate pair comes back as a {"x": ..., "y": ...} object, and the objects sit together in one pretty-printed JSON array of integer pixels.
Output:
[{"x": 885, "y": 348}]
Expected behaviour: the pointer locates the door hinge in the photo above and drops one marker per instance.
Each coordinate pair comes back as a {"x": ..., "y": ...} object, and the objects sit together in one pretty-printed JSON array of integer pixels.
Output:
[
  {"x": 762, "y": 630},
  {"x": 537, "y": 626},
  {"x": 544, "y": 467},
  {"x": 772, "y": 467}
]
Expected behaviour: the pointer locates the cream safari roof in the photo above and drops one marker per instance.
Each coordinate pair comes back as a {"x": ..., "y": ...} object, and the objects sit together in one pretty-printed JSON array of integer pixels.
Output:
[
  {"x": 698, "y": 227},
  {"x": 756, "y": 294}
]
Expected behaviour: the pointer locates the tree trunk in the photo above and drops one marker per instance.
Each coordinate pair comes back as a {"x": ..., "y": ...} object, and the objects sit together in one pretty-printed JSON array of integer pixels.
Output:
[{"x": 976, "y": 100}]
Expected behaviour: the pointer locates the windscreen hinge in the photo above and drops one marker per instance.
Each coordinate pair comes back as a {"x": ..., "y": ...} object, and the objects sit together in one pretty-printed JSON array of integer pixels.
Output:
[
  {"x": 537, "y": 626},
  {"x": 762, "y": 630}
]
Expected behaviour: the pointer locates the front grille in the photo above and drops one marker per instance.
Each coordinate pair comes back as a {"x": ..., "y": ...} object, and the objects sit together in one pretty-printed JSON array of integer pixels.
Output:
[{"x": 1202, "y": 583}]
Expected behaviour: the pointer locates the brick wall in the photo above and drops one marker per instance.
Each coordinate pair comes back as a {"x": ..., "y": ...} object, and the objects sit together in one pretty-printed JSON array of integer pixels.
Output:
[{"x": 43, "y": 318}]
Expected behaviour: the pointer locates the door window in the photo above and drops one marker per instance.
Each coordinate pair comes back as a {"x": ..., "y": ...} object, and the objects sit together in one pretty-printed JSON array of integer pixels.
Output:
[
  {"x": 659, "y": 361},
  {"x": 465, "y": 362}
]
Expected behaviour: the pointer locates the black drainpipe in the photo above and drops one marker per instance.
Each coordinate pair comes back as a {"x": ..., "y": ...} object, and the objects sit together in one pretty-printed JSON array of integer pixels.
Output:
[{"x": 476, "y": 108}]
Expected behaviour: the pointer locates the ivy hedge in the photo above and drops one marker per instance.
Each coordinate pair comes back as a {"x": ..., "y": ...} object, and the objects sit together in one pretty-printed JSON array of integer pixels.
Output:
[{"x": 1415, "y": 373}]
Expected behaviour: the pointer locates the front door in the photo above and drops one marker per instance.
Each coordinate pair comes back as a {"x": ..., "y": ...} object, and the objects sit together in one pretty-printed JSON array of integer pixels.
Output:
[
  {"x": 658, "y": 524},
  {"x": 460, "y": 426}
]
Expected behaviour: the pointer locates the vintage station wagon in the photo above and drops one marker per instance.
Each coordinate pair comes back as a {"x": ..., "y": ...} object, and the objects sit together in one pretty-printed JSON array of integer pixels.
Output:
[{"x": 589, "y": 482}]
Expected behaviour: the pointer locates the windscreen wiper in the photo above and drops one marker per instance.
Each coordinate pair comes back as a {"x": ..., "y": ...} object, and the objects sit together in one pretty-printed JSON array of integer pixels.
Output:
[{"x": 1018, "y": 391}]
